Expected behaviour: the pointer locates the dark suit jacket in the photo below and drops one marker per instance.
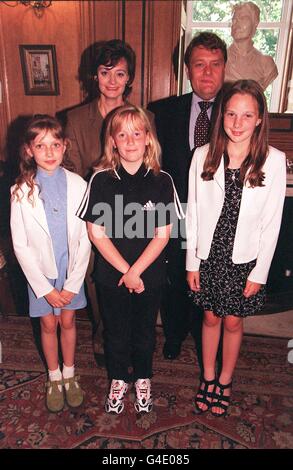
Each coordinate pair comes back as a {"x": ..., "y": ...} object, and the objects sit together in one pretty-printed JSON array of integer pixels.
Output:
[
  {"x": 172, "y": 117},
  {"x": 172, "y": 124}
]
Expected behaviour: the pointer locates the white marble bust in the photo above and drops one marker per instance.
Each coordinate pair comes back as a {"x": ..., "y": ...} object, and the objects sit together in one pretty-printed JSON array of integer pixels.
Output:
[{"x": 244, "y": 60}]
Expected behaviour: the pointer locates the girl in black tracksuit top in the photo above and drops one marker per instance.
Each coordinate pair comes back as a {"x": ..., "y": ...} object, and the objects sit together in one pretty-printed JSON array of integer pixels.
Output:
[{"x": 130, "y": 207}]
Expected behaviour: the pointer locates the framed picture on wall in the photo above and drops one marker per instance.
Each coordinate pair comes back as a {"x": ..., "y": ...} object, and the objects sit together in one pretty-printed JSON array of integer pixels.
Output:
[{"x": 39, "y": 69}]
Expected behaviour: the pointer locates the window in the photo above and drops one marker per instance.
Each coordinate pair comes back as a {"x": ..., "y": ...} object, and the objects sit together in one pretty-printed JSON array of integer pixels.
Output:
[{"x": 271, "y": 36}]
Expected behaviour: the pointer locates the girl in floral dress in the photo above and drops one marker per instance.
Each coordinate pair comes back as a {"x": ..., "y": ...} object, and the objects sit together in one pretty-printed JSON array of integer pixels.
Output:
[{"x": 237, "y": 187}]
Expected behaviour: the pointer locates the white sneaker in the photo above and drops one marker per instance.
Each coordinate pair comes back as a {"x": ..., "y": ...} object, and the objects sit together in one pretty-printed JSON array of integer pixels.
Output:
[
  {"x": 114, "y": 402},
  {"x": 144, "y": 400}
]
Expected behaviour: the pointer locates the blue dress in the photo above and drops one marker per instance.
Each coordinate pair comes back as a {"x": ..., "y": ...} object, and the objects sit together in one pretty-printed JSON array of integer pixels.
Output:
[{"x": 53, "y": 193}]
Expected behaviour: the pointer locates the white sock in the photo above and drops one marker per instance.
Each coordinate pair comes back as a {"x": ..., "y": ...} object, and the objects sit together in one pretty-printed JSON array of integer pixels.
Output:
[
  {"x": 55, "y": 375},
  {"x": 67, "y": 373}
]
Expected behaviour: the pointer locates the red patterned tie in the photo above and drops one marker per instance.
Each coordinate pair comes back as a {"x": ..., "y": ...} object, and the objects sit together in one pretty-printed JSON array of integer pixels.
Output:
[{"x": 202, "y": 125}]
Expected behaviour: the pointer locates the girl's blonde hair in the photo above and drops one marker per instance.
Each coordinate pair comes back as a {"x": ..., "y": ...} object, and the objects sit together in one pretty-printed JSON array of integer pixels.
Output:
[
  {"x": 27, "y": 165},
  {"x": 135, "y": 118}
]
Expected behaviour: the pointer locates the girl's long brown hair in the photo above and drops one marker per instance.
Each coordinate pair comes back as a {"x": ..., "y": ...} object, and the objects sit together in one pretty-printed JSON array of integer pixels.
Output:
[
  {"x": 27, "y": 165},
  {"x": 251, "y": 168},
  {"x": 135, "y": 118}
]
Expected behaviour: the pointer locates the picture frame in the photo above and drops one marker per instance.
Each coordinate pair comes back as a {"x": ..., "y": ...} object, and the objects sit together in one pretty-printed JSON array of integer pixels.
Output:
[{"x": 39, "y": 69}]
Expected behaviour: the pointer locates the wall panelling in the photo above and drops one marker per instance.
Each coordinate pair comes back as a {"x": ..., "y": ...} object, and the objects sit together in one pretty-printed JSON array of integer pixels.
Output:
[{"x": 151, "y": 27}]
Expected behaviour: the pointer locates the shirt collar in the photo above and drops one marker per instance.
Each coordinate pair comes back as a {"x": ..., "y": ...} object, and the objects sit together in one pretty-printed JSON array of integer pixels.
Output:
[
  {"x": 141, "y": 173},
  {"x": 196, "y": 99},
  {"x": 44, "y": 174}
]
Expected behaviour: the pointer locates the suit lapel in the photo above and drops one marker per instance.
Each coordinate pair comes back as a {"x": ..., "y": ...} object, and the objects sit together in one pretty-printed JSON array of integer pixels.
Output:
[
  {"x": 37, "y": 209},
  {"x": 248, "y": 198},
  {"x": 183, "y": 119},
  {"x": 94, "y": 114},
  {"x": 219, "y": 176}
]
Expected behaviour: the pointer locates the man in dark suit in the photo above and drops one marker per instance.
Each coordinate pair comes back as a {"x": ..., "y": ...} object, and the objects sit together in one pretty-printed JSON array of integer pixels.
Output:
[{"x": 183, "y": 124}]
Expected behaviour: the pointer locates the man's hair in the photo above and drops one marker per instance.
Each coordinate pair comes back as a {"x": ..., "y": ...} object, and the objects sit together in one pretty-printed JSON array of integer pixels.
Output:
[{"x": 209, "y": 41}]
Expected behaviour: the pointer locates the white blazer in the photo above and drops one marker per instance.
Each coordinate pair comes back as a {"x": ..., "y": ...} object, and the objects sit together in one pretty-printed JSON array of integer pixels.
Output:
[
  {"x": 33, "y": 244},
  {"x": 259, "y": 216}
]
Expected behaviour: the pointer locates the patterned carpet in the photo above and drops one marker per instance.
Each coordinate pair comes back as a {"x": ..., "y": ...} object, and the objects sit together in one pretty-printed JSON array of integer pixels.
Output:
[{"x": 260, "y": 417}]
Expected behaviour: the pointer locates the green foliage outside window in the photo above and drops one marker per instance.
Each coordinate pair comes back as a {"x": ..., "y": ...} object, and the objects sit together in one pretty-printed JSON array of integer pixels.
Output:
[{"x": 220, "y": 10}]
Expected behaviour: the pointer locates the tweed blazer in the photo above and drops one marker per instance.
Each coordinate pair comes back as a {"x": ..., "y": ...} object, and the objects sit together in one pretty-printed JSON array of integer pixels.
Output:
[
  {"x": 84, "y": 128},
  {"x": 32, "y": 241},
  {"x": 259, "y": 216}
]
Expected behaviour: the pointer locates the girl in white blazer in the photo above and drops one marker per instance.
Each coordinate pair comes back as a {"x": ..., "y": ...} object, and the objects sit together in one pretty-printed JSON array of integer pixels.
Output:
[
  {"x": 52, "y": 247},
  {"x": 237, "y": 187}
]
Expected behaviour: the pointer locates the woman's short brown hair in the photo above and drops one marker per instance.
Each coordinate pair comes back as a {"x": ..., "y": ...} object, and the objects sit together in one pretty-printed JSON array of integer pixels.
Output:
[{"x": 109, "y": 53}]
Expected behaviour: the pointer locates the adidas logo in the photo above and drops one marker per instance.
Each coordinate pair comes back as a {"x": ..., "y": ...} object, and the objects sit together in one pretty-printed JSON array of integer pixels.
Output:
[{"x": 149, "y": 206}]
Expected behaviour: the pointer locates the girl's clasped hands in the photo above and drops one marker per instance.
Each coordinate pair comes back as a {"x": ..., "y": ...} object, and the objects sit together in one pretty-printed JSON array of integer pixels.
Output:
[
  {"x": 59, "y": 299},
  {"x": 132, "y": 281}
]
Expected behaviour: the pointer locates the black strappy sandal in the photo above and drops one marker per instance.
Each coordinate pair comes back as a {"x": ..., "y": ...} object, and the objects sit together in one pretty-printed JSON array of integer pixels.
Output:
[
  {"x": 221, "y": 401},
  {"x": 203, "y": 394}
]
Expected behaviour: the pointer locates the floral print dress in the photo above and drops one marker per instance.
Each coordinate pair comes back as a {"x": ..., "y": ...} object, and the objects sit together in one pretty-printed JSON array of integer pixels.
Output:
[{"x": 222, "y": 282}]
